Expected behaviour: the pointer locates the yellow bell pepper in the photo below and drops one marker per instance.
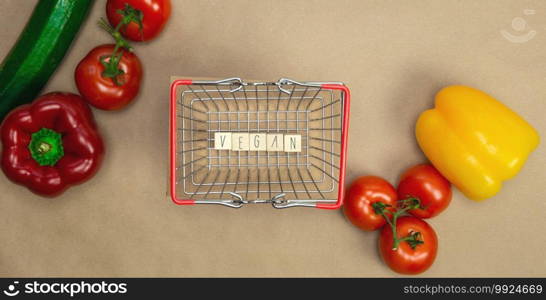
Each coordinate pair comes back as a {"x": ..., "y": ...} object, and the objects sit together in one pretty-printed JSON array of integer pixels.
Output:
[{"x": 474, "y": 140}]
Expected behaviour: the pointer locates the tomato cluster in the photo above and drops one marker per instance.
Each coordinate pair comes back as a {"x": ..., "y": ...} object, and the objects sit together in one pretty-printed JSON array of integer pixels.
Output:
[
  {"x": 407, "y": 244},
  {"x": 109, "y": 77}
]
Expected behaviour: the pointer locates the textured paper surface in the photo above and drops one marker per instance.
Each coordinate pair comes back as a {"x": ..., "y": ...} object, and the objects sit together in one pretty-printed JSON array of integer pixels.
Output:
[{"x": 394, "y": 55}]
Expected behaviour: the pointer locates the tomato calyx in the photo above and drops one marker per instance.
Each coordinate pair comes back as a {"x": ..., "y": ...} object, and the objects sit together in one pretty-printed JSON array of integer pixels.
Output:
[
  {"x": 111, "y": 67},
  {"x": 414, "y": 238},
  {"x": 130, "y": 14}
]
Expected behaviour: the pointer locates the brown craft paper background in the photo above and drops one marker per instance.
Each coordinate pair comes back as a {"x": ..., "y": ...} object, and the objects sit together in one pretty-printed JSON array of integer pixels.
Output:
[{"x": 394, "y": 55}]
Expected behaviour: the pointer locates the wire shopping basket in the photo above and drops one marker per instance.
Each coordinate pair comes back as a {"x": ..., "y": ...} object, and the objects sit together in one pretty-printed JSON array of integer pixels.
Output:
[{"x": 234, "y": 142}]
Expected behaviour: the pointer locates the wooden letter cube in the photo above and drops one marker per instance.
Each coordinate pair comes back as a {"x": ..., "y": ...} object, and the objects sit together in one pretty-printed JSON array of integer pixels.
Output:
[
  {"x": 258, "y": 142},
  {"x": 275, "y": 142},
  {"x": 240, "y": 142},
  {"x": 222, "y": 140},
  {"x": 292, "y": 143}
]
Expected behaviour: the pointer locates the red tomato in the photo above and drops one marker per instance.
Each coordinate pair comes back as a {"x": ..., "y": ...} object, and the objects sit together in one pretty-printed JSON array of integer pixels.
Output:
[
  {"x": 429, "y": 186},
  {"x": 362, "y": 193},
  {"x": 405, "y": 259},
  {"x": 103, "y": 92},
  {"x": 155, "y": 15}
]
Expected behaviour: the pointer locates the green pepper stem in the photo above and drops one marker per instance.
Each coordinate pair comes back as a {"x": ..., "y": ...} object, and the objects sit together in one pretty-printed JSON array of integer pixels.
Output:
[{"x": 46, "y": 147}]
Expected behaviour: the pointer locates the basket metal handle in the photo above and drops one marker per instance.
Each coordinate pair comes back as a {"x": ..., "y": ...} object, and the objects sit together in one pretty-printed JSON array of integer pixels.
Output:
[{"x": 280, "y": 83}]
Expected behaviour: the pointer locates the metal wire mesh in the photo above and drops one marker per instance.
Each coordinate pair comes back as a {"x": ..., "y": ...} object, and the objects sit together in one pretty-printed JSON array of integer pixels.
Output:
[{"x": 284, "y": 179}]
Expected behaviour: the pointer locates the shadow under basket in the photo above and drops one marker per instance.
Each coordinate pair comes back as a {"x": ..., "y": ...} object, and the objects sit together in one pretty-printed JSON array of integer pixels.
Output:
[{"x": 313, "y": 176}]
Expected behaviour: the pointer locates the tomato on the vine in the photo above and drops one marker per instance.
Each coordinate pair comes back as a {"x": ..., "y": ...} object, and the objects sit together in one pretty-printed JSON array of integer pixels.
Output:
[
  {"x": 425, "y": 183},
  {"x": 416, "y": 249},
  {"x": 109, "y": 86},
  {"x": 152, "y": 15},
  {"x": 361, "y": 195}
]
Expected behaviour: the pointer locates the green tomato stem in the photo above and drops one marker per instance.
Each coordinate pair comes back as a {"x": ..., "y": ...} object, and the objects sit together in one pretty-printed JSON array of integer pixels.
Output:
[
  {"x": 404, "y": 206},
  {"x": 111, "y": 62}
]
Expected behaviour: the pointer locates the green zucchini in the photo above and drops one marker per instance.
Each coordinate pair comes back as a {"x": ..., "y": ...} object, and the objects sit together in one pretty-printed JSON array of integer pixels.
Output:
[{"x": 39, "y": 50}]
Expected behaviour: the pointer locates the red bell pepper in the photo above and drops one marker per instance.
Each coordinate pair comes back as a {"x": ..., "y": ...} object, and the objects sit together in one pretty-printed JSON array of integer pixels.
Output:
[{"x": 51, "y": 144}]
